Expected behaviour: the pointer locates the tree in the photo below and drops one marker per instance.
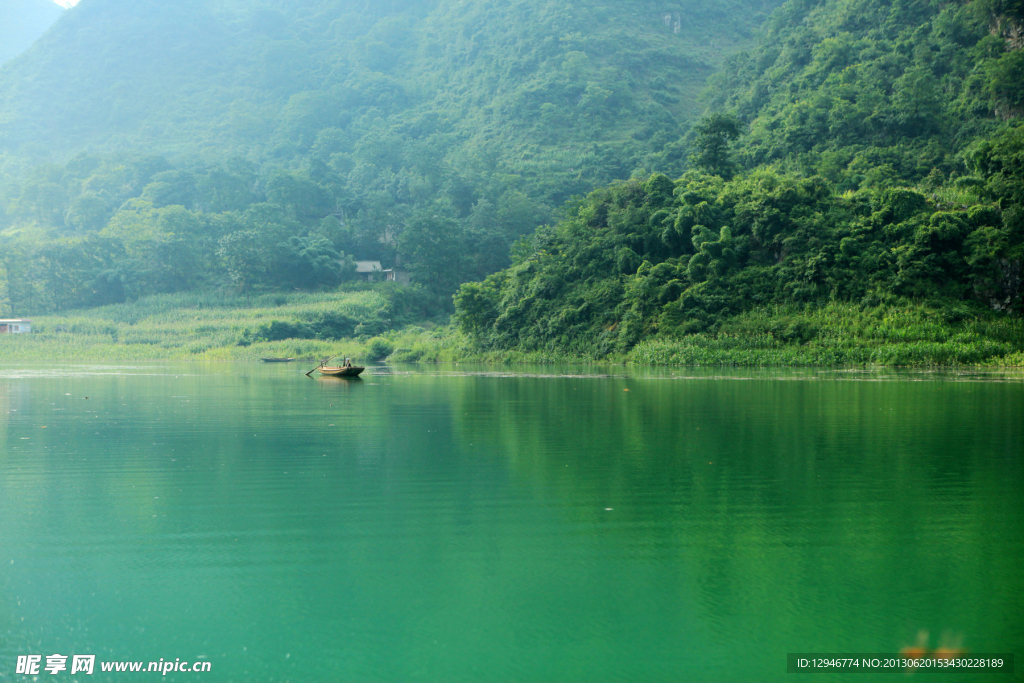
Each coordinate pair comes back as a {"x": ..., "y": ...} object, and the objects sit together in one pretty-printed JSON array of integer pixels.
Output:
[
  {"x": 1005, "y": 84},
  {"x": 434, "y": 245},
  {"x": 714, "y": 134},
  {"x": 67, "y": 269},
  {"x": 244, "y": 256},
  {"x": 300, "y": 197},
  {"x": 88, "y": 212},
  {"x": 476, "y": 306},
  {"x": 5, "y": 301},
  {"x": 171, "y": 188},
  {"x": 311, "y": 262}
]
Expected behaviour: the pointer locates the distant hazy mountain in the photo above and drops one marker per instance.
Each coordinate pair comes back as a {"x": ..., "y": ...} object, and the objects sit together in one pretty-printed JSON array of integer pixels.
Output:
[
  {"x": 266, "y": 77},
  {"x": 22, "y": 22}
]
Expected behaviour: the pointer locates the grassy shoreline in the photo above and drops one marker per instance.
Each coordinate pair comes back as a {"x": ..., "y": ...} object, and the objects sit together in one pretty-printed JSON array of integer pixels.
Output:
[{"x": 214, "y": 327}]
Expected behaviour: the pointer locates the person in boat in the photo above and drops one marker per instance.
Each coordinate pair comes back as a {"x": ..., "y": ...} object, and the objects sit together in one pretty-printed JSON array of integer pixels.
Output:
[{"x": 348, "y": 362}]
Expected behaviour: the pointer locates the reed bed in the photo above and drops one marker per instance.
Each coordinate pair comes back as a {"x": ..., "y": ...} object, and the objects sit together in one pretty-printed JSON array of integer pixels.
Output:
[
  {"x": 845, "y": 334},
  {"x": 197, "y": 326},
  {"x": 211, "y": 326}
]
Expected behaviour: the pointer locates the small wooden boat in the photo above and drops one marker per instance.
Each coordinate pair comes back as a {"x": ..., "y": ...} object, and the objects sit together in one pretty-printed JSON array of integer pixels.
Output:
[
  {"x": 277, "y": 360},
  {"x": 340, "y": 371},
  {"x": 335, "y": 370}
]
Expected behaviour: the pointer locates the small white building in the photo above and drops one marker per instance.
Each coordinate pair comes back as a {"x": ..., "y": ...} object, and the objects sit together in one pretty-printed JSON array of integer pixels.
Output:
[
  {"x": 13, "y": 326},
  {"x": 370, "y": 271},
  {"x": 397, "y": 275}
]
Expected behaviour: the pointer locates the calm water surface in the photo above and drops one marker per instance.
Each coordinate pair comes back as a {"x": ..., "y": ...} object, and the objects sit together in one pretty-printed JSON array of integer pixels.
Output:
[{"x": 446, "y": 525}]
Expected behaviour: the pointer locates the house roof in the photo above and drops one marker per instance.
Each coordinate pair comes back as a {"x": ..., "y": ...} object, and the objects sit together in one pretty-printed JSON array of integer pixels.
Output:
[
  {"x": 7, "y": 321},
  {"x": 367, "y": 266}
]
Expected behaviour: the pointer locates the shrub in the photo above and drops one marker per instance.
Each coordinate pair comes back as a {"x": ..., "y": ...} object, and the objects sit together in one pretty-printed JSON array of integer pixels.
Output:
[
  {"x": 379, "y": 348},
  {"x": 372, "y": 327}
]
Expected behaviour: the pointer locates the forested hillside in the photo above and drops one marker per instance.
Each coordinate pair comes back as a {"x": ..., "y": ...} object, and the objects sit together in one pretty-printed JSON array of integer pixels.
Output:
[
  {"x": 855, "y": 176},
  {"x": 21, "y": 22},
  {"x": 866, "y": 156},
  {"x": 153, "y": 147}
]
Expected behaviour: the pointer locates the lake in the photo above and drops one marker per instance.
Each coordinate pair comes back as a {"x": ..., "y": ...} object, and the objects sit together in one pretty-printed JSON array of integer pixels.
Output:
[{"x": 458, "y": 523}]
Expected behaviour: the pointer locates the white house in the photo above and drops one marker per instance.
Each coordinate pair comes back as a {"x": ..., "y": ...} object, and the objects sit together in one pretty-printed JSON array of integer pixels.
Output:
[
  {"x": 397, "y": 275},
  {"x": 369, "y": 270},
  {"x": 15, "y": 326}
]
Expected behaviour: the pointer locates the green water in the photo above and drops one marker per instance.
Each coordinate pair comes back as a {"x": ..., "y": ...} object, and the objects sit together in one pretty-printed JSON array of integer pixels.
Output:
[{"x": 445, "y": 525}]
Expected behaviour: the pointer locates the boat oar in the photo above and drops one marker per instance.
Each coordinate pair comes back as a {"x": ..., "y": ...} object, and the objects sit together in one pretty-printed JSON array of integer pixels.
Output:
[{"x": 324, "y": 362}]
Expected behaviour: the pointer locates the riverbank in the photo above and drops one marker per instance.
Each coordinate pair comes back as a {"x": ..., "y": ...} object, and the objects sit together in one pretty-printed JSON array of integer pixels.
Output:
[
  {"x": 215, "y": 327},
  {"x": 202, "y": 326},
  {"x": 833, "y": 335}
]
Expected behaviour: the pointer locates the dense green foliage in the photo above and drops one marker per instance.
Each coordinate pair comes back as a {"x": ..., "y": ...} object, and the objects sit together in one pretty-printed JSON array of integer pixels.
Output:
[
  {"x": 682, "y": 257},
  {"x": 882, "y": 164},
  {"x": 283, "y": 137},
  {"x": 868, "y": 93}
]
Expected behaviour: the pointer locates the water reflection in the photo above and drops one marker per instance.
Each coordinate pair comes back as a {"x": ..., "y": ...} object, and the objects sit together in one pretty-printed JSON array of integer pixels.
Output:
[{"x": 450, "y": 524}]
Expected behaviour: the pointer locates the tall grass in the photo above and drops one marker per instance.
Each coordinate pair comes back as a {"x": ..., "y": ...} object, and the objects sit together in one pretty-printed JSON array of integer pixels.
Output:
[
  {"x": 845, "y": 334},
  {"x": 200, "y": 326},
  {"x": 209, "y": 326}
]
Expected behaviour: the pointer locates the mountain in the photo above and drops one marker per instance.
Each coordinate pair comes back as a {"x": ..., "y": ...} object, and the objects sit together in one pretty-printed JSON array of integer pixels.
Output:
[
  {"x": 874, "y": 92},
  {"x": 428, "y": 132},
  {"x": 264, "y": 79},
  {"x": 22, "y": 22},
  {"x": 865, "y": 155}
]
